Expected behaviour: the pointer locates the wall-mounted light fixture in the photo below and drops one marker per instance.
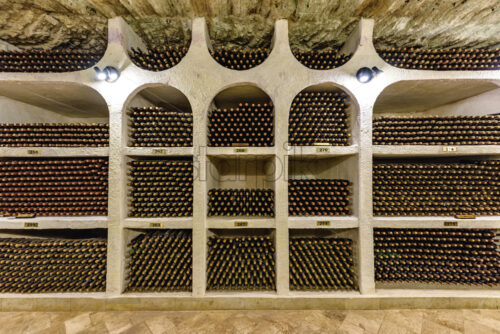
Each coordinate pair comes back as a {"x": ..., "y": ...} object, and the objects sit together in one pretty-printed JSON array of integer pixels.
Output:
[
  {"x": 365, "y": 74},
  {"x": 108, "y": 74}
]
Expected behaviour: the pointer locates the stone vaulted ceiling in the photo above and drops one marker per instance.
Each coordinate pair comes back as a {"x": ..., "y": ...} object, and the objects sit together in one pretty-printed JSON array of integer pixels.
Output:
[{"x": 313, "y": 23}]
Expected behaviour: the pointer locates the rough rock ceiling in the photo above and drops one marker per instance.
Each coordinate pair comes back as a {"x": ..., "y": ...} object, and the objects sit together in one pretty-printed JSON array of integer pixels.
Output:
[{"x": 313, "y": 23}]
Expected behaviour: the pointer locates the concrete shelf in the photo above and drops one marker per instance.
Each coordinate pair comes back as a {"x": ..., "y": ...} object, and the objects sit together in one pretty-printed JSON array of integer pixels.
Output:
[
  {"x": 159, "y": 223},
  {"x": 157, "y": 151},
  {"x": 406, "y": 151},
  {"x": 322, "y": 222},
  {"x": 484, "y": 222},
  {"x": 321, "y": 151},
  {"x": 198, "y": 83},
  {"x": 46, "y": 223},
  {"x": 240, "y": 222},
  {"x": 28, "y": 152},
  {"x": 252, "y": 152}
]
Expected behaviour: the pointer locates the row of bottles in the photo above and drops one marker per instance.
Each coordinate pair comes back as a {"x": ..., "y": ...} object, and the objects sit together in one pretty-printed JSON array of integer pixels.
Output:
[
  {"x": 241, "y": 263},
  {"x": 48, "y": 60},
  {"x": 159, "y": 126},
  {"x": 54, "y": 134},
  {"x": 319, "y": 118},
  {"x": 436, "y": 188},
  {"x": 455, "y": 59},
  {"x": 322, "y": 59},
  {"x": 241, "y": 202},
  {"x": 160, "y": 261},
  {"x": 248, "y": 124},
  {"x": 322, "y": 264},
  {"x": 161, "y": 188},
  {"x": 239, "y": 59},
  {"x": 52, "y": 265},
  {"x": 444, "y": 256},
  {"x": 158, "y": 58},
  {"x": 54, "y": 187},
  {"x": 437, "y": 130},
  {"x": 319, "y": 197}
]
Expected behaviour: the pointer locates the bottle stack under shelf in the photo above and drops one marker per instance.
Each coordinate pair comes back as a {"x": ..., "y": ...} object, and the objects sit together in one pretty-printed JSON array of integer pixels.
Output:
[
  {"x": 54, "y": 187},
  {"x": 319, "y": 118},
  {"x": 248, "y": 124},
  {"x": 159, "y": 126},
  {"x": 54, "y": 134},
  {"x": 161, "y": 188},
  {"x": 241, "y": 263},
  {"x": 437, "y": 130},
  {"x": 239, "y": 58},
  {"x": 441, "y": 256},
  {"x": 158, "y": 58},
  {"x": 321, "y": 264},
  {"x": 319, "y": 197},
  {"x": 241, "y": 202},
  {"x": 322, "y": 59},
  {"x": 456, "y": 59},
  {"x": 161, "y": 261},
  {"x": 436, "y": 188},
  {"x": 48, "y": 60},
  {"x": 52, "y": 265}
]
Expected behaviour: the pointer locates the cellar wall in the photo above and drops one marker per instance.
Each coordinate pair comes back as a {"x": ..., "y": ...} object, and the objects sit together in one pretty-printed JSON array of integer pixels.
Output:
[{"x": 281, "y": 77}]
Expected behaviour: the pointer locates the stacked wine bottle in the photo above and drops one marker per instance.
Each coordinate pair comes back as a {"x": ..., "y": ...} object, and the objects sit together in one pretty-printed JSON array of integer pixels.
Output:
[
  {"x": 54, "y": 187},
  {"x": 241, "y": 202},
  {"x": 239, "y": 58},
  {"x": 52, "y": 265},
  {"x": 248, "y": 124},
  {"x": 161, "y": 188},
  {"x": 158, "y": 58},
  {"x": 453, "y": 256},
  {"x": 241, "y": 263},
  {"x": 322, "y": 59},
  {"x": 319, "y": 118},
  {"x": 435, "y": 130},
  {"x": 161, "y": 261},
  {"x": 456, "y": 59},
  {"x": 158, "y": 126},
  {"x": 319, "y": 197},
  {"x": 322, "y": 264},
  {"x": 436, "y": 188},
  {"x": 54, "y": 134},
  {"x": 48, "y": 60}
]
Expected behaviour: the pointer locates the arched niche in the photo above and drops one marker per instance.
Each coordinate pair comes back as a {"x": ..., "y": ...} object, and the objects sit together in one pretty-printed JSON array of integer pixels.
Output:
[
  {"x": 159, "y": 116},
  {"x": 322, "y": 45},
  {"x": 241, "y": 115},
  {"x": 172, "y": 39},
  {"x": 323, "y": 115},
  {"x": 243, "y": 48}
]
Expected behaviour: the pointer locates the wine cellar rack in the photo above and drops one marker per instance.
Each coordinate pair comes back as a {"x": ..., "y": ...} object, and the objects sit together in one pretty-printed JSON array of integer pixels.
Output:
[{"x": 182, "y": 92}]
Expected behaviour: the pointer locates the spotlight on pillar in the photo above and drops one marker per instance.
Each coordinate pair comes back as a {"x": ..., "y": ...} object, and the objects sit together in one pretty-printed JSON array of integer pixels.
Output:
[
  {"x": 366, "y": 74},
  {"x": 108, "y": 74}
]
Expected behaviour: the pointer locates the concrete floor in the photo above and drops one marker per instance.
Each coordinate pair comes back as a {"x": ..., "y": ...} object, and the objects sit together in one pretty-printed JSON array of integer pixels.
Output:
[{"x": 146, "y": 322}]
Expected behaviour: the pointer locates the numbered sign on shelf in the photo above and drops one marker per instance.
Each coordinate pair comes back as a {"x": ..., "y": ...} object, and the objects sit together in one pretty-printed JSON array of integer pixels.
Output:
[
  {"x": 449, "y": 148},
  {"x": 30, "y": 225},
  {"x": 451, "y": 224},
  {"x": 323, "y": 223},
  {"x": 322, "y": 150},
  {"x": 240, "y": 224},
  {"x": 155, "y": 225},
  {"x": 240, "y": 150},
  {"x": 159, "y": 151},
  {"x": 34, "y": 152}
]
